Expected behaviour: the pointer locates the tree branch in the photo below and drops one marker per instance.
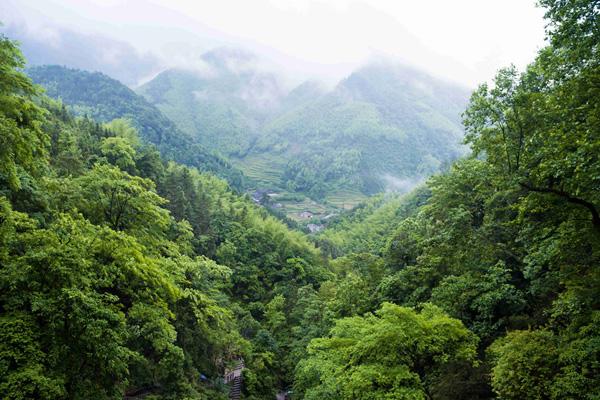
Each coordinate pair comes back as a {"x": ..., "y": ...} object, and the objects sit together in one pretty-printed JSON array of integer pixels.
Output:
[{"x": 571, "y": 199}]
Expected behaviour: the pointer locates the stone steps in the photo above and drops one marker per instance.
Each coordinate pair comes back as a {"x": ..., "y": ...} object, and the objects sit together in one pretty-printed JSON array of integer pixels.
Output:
[
  {"x": 236, "y": 388},
  {"x": 233, "y": 377}
]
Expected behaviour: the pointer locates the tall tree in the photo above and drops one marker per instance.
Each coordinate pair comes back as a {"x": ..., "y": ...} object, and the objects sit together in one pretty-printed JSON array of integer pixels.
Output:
[{"x": 22, "y": 142}]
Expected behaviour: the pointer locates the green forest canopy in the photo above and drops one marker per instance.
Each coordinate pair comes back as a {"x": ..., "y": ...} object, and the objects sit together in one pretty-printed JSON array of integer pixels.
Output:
[{"x": 122, "y": 274}]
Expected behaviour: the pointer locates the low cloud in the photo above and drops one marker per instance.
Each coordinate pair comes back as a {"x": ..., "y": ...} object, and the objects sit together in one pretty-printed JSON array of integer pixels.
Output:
[
  {"x": 52, "y": 45},
  {"x": 401, "y": 185}
]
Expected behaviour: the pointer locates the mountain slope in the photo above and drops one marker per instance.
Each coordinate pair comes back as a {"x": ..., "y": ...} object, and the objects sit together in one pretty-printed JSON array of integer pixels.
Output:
[
  {"x": 224, "y": 105},
  {"x": 382, "y": 125},
  {"x": 104, "y": 99},
  {"x": 386, "y": 126},
  {"x": 367, "y": 227}
]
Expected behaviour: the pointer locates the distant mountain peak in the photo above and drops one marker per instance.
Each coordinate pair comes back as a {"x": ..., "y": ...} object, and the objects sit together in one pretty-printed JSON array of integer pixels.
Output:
[
  {"x": 384, "y": 120},
  {"x": 233, "y": 60},
  {"x": 89, "y": 52},
  {"x": 229, "y": 53}
]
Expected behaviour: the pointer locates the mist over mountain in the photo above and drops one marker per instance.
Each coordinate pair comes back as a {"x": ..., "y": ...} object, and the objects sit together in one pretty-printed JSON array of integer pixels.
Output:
[
  {"x": 60, "y": 46},
  {"x": 383, "y": 123},
  {"x": 222, "y": 105},
  {"x": 389, "y": 119}
]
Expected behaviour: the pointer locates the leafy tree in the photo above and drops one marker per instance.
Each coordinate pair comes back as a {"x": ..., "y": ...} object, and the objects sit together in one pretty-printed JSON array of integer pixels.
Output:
[
  {"x": 539, "y": 133},
  {"x": 107, "y": 195},
  {"x": 526, "y": 365},
  {"x": 123, "y": 128},
  {"x": 274, "y": 316},
  {"x": 387, "y": 354},
  {"x": 484, "y": 302},
  {"x": 22, "y": 142},
  {"x": 119, "y": 152}
]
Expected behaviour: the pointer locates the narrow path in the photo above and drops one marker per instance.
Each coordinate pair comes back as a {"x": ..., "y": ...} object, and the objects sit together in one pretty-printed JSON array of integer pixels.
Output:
[
  {"x": 236, "y": 388},
  {"x": 234, "y": 377}
]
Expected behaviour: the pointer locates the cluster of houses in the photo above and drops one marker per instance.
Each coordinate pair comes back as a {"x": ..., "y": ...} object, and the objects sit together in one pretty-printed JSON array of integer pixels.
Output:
[{"x": 264, "y": 197}]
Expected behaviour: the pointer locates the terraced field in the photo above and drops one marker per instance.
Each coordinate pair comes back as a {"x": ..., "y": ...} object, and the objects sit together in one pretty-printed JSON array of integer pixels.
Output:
[
  {"x": 294, "y": 209},
  {"x": 264, "y": 174},
  {"x": 345, "y": 198},
  {"x": 263, "y": 171}
]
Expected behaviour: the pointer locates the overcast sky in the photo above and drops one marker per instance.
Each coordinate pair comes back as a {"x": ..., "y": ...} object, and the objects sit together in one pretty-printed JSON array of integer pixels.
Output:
[{"x": 461, "y": 40}]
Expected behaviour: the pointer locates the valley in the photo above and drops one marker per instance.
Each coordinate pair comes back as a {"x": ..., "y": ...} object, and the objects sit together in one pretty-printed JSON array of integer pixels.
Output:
[
  {"x": 386, "y": 127},
  {"x": 385, "y": 123},
  {"x": 180, "y": 219}
]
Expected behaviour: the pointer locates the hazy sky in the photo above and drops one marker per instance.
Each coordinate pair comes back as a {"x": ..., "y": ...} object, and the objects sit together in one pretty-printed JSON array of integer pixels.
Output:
[{"x": 462, "y": 40}]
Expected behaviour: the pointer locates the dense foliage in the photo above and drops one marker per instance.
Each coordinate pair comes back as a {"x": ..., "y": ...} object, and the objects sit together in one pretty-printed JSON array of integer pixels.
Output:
[
  {"x": 386, "y": 355},
  {"x": 112, "y": 263},
  {"x": 368, "y": 225},
  {"x": 122, "y": 274},
  {"x": 507, "y": 242},
  {"x": 104, "y": 99}
]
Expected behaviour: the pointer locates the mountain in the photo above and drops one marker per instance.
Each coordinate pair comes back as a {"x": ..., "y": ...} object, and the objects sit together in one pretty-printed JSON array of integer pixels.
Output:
[
  {"x": 224, "y": 105},
  {"x": 386, "y": 126},
  {"x": 55, "y": 45},
  {"x": 382, "y": 127},
  {"x": 104, "y": 99}
]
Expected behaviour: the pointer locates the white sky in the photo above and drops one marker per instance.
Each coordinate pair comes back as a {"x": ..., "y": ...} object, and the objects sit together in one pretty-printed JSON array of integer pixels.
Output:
[{"x": 461, "y": 40}]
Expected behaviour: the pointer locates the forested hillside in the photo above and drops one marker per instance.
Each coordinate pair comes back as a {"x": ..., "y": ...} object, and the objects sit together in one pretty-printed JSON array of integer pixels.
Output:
[
  {"x": 508, "y": 242},
  {"x": 385, "y": 126},
  {"x": 126, "y": 275},
  {"x": 224, "y": 105},
  {"x": 367, "y": 226},
  {"x": 104, "y": 99}
]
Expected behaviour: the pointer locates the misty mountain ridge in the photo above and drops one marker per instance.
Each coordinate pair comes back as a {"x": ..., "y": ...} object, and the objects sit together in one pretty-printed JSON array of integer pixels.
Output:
[
  {"x": 386, "y": 126},
  {"x": 383, "y": 123},
  {"x": 59, "y": 46},
  {"x": 230, "y": 97}
]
